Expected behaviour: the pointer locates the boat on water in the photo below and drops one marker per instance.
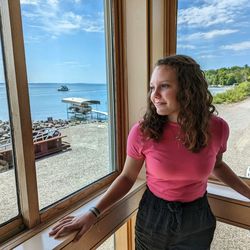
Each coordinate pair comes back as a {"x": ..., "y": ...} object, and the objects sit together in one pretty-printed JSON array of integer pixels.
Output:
[{"x": 63, "y": 88}]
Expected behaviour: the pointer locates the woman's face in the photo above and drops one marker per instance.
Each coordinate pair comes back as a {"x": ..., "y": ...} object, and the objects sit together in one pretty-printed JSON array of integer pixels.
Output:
[{"x": 164, "y": 88}]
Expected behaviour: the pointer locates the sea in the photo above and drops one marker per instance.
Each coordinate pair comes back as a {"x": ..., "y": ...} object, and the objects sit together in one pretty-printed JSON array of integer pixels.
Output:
[
  {"x": 217, "y": 90},
  {"x": 46, "y": 100}
]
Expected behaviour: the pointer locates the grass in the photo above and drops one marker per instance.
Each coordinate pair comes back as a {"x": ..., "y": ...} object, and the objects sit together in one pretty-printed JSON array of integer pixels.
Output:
[{"x": 236, "y": 94}]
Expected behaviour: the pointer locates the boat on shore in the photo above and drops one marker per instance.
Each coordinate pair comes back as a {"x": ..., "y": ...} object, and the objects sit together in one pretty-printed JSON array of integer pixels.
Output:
[{"x": 63, "y": 88}]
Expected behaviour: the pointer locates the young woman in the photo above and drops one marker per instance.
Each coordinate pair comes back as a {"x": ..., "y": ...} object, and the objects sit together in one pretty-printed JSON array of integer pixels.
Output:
[{"x": 182, "y": 142}]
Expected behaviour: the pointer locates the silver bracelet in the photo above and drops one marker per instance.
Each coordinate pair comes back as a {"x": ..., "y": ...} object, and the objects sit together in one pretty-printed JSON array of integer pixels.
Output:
[{"x": 95, "y": 211}]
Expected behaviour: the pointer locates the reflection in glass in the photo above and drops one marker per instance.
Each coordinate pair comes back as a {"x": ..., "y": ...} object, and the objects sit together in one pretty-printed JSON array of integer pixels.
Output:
[
  {"x": 66, "y": 58},
  {"x": 8, "y": 194},
  {"x": 216, "y": 35}
]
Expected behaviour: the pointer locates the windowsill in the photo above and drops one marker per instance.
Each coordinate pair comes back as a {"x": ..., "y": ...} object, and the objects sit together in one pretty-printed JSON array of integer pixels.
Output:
[
  {"x": 116, "y": 215},
  {"x": 223, "y": 201},
  {"x": 229, "y": 206},
  {"x": 225, "y": 192}
]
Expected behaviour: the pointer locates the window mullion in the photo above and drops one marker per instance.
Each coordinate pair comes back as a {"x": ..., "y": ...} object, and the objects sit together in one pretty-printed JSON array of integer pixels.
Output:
[
  {"x": 16, "y": 78},
  {"x": 170, "y": 27}
]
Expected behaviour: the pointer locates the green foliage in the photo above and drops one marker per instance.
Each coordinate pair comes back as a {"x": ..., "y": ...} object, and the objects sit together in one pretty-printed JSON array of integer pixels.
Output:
[
  {"x": 238, "y": 93},
  {"x": 228, "y": 76}
]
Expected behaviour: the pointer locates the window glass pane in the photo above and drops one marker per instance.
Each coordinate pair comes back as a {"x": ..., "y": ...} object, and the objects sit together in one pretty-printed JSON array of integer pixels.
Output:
[
  {"x": 215, "y": 33},
  {"x": 230, "y": 237},
  {"x": 8, "y": 194},
  {"x": 70, "y": 89}
]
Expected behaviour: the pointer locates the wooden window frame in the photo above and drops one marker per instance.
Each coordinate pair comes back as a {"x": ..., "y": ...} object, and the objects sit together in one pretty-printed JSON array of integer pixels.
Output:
[
  {"x": 123, "y": 72},
  {"x": 237, "y": 210},
  {"x": 17, "y": 88}
]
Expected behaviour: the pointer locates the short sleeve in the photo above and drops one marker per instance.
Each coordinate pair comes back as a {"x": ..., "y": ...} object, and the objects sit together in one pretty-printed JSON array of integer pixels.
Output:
[
  {"x": 135, "y": 143},
  {"x": 224, "y": 136}
]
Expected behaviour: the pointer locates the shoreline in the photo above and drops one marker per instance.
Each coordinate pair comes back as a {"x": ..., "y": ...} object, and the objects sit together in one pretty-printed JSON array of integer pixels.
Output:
[{"x": 43, "y": 131}]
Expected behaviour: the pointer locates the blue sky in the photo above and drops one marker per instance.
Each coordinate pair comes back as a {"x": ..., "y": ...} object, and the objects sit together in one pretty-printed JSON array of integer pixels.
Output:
[
  {"x": 215, "y": 32},
  {"x": 65, "y": 39}
]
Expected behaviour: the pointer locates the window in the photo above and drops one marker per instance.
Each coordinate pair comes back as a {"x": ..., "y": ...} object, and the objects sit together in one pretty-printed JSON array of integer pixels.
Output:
[
  {"x": 65, "y": 47},
  {"x": 60, "y": 73},
  {"x": 8, "y": 195},
  {"x": 215, "y": 34}
]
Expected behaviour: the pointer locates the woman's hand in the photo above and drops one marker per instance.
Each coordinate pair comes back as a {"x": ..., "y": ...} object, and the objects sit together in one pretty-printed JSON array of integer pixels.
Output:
[{"x": 71, "y": 223}]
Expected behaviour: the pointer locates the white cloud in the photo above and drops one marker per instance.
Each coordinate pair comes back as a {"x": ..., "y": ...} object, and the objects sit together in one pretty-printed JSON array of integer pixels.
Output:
[
  {"x": 52, "y": 18},
  {"x": 185, "y": 46},
  {"x": 204, "y": 16},
  {"x": 229, "y": 3},
  {"x": 237, "y": 46},
  {"x": 31, "y": 2},
  {"x": 212, "y": 12},
  {"x": 34, "y": 39},
  {"x": 207, "y": 35},
  {"x": 207, "y": 56},
  {"x": 69, "y": 22},
  {"x": 53, "y": 3}
]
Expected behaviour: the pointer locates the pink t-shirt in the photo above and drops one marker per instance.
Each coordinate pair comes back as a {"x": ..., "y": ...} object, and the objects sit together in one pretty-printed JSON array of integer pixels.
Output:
[{"x": 173, "y": 172}]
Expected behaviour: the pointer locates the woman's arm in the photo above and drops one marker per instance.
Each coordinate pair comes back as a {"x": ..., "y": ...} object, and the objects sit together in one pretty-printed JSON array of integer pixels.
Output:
[
  {"x": 116, "y": 191},
  {"x": 122, "y": 184},
  {"x": 223, "y": 172}
]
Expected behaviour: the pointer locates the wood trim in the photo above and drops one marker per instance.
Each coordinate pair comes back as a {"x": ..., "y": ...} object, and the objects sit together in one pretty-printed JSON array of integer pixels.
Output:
[
  {"x": 124, "y": 236},
  {"x": 213, "y": 179},
  {"x": 133, "y": 220},
  {"x": 156, "y": 38},
  {"x": 10, "y": 229},
  {"x": 170, "y": 34},
  {"x": 137, "y": 51},
  {"x": 230, "y": 211},
  {"x": 121, "y": 238},
  {"x": 120, "y": 80},
  {"x": 17, "y": 88}
]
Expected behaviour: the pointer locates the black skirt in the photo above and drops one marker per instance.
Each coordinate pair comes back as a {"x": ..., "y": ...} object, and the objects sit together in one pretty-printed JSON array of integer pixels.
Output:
[{"x": 162, "y": 225}]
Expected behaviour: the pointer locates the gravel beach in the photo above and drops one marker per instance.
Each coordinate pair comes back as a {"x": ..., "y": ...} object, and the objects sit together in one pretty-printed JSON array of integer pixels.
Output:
[
  {"x": 237, "y": 156},
  {"x": 88, "y": 160}
]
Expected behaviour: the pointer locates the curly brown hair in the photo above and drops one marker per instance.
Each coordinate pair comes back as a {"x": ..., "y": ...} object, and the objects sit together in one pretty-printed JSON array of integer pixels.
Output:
[{"x": 195, "y": 105}]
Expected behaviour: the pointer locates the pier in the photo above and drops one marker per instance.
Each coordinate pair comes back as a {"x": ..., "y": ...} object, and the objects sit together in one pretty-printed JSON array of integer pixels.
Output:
[{"x": 81, "y": 108}]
